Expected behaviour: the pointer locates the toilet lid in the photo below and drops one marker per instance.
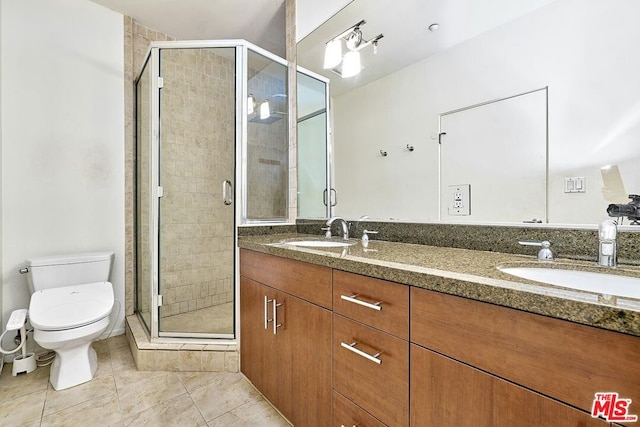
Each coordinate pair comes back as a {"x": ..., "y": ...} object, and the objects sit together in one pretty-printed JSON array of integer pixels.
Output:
[{"x": 70, "y": 306}]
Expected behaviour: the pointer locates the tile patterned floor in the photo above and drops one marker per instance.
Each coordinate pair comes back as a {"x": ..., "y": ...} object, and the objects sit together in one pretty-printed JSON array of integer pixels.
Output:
[
  {"x": 217, "y": 319},
  {"x": 120, "y": 395}
]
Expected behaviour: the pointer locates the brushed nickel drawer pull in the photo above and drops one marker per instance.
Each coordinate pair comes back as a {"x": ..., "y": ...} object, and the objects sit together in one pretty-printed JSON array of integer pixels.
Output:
[
  {"x": 355, "y": 425},
  {"x": 266, "y": 309},
  {"x": 276, "y": 325},
  {"x": 352, "y": 347},
  {"x": 354, "y": 299}
]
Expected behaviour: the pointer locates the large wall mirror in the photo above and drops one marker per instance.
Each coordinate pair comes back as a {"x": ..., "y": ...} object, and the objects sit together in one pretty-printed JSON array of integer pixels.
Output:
[{"x": 507, "y": 112}]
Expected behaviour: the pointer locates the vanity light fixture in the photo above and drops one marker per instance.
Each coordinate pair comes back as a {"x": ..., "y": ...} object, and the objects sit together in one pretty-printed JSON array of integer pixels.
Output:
[
  {"x": 265, "y": 110},
  {"x": 333, "y": 53},
  {"x": 351, "y": 63},
  {"x": 251, "y": 104}
]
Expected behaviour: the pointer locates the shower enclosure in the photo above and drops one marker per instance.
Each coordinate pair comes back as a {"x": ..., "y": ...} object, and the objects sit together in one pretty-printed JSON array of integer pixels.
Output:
[{"x": 211, "y": 152}]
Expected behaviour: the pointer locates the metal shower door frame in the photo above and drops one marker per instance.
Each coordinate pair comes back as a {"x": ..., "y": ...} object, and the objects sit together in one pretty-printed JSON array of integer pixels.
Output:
[{"x": 242, "y": 48}]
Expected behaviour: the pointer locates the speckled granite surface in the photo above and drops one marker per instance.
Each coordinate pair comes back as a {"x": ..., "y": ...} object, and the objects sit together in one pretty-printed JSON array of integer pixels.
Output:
[
  {"x": 263, "y": 230},
  {"x": 468, "y": 273},
  {"x": 575, "y": 243}
]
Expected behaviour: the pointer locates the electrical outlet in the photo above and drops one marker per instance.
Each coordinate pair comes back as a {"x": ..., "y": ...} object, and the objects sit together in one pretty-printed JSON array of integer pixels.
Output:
[{"x": 459, "y": 199}]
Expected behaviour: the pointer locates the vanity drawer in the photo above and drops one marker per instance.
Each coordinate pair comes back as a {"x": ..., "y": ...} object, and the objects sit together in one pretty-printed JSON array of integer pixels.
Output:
[
  {"x": 378, "y": 303},
  {"x": 307, "y": 281},
  {"x": 557, "y": 358},
  {"x": 348, "y": 414},
  {"x": 382, "y": 389}
]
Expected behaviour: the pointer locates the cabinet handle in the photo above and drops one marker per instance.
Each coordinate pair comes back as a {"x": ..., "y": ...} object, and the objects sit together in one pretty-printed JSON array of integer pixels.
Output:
[
  {"x": 266, "y": 309},
  {"x": 352, "y": 347},
  {"x": 355, "y": 425},
  {"x": 276, "y": 325},
  {"x": 354, "y": 299}
]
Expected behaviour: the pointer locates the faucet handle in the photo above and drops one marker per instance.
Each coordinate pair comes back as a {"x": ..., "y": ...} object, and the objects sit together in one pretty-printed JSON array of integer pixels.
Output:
[
  {"x": 545, "y": 254},
  {"x": 365, "y": 237},
  {"x": 328, "y": 232}
]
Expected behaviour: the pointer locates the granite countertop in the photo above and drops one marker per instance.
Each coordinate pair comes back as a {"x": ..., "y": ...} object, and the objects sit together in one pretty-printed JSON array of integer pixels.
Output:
[{"x": 468, "y": 273}]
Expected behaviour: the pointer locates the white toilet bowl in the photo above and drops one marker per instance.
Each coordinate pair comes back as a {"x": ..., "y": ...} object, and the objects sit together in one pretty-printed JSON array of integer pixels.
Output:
[{"x": 67, "y": 320}]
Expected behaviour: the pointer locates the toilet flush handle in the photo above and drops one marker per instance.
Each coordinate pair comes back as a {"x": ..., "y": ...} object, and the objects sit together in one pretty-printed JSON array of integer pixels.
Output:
[{"x": 24, "y": 270}]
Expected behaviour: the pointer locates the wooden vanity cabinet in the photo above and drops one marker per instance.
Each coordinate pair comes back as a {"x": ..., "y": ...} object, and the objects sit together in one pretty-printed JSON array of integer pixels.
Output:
[
  {"x": 266, "y": 358},
  {"x": 445, "y": 392},
  {"x": 348, "y": 414},
  {"x": 444, "y": 360},
  {"x": 370, "y": 346},
  {"x": 546, "y": 363},
  {"x": 289, "y": 360}
]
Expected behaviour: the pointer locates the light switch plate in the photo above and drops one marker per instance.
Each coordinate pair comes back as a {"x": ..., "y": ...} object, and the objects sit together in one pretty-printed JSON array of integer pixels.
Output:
[
  {"x": 459, "y": 199},
  {"x": 575, "y": 184}
]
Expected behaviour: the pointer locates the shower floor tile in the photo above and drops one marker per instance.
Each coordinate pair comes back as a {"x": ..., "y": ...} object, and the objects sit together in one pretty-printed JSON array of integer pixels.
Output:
[{"x": 212, "y": 320}]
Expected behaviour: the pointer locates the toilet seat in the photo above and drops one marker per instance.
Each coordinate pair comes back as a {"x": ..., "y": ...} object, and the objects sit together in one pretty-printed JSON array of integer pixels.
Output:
[{"x": 70, "y": 307}]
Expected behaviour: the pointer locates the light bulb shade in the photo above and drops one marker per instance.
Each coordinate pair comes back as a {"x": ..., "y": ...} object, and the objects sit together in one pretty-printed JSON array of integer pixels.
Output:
[
  {"x": 265, "y": 110},
  {"x": 250, "y": 104},
  {"x": 351, "y": 64},
  {"x": 332, "y": 54}
]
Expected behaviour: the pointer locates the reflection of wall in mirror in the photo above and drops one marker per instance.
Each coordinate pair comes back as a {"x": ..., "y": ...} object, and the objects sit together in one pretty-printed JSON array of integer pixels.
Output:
[{"x": 593, "y": 99}]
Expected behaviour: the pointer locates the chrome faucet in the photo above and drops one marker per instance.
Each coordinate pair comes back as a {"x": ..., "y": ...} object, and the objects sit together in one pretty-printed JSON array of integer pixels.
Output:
[
  {"x": 345, "y": 226},
  {"x": 607, "y": 244}
]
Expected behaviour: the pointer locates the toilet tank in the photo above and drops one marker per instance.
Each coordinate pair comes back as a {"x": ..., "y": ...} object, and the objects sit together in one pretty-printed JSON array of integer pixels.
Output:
[{"x": 66, "y": 270}]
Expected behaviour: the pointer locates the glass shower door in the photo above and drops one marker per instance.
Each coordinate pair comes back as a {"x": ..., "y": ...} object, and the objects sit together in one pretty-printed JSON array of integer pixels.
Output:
[
  {"x": 196, "y": 210},
  {"x": 315, "y": 195}
]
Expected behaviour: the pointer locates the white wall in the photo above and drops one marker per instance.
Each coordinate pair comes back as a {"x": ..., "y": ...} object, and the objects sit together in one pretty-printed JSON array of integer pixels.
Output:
[
  {"x": 584, "y": 50},
  {"x": 62, "y": 137},
  {"x": 1, "y": 51}
]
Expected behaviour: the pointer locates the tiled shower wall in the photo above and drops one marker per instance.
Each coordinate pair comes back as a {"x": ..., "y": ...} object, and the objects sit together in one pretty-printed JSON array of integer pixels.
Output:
[
  {"x": 267, "y": 148},
  {"x": 197, "y": 116},
  {"x": 136, "y": 44},
  {"x": 137, "y": 39}
]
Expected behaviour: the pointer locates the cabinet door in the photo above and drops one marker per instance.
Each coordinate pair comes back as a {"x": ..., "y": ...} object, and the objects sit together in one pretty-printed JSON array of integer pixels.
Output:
[
  {"x": 289, "y": 360},
  {"x": 348, "y": 414},
  {"x": 560, "y": 359},
  {"x": 446, "y": 392},
  {"x": 265, "y": 356},
  {"x": 253, "y": 335},
  {"x": 309, "y": 331},
  {"x": 371, "y": 368}
]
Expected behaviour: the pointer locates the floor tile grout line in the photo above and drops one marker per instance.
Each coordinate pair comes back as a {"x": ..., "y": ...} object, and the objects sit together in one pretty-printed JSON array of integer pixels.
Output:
[
  {"x": 159, "y": 402},
  {"x": 110, "y": 368}
]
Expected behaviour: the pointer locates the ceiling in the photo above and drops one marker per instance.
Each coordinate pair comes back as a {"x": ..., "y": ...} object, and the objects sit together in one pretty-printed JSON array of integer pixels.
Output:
[
  {"x": 407, "y": 38},
  {"x": 404, "y": 25},
  {"x": 261, "y": 22}
]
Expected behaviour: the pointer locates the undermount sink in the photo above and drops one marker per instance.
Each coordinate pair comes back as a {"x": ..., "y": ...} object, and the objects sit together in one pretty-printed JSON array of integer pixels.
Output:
[
  {"x": 603, "y": 283},
  {"x": 320, "y": 243}
]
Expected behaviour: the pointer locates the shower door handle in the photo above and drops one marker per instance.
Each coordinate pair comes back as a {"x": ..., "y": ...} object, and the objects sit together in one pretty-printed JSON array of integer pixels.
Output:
[
  {"x": 227, "y": 192},
  {"x": 333, "y": 197}
]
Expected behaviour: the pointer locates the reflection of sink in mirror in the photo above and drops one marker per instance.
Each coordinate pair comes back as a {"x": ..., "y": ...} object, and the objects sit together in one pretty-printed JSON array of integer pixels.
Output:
[
  {"x": 320, "y": 243},
  {"x": 583, "y": 280}
]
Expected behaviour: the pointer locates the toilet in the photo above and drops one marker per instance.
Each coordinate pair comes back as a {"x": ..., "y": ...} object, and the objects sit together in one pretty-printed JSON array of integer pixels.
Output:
[{"x": 71, "y": 300}]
